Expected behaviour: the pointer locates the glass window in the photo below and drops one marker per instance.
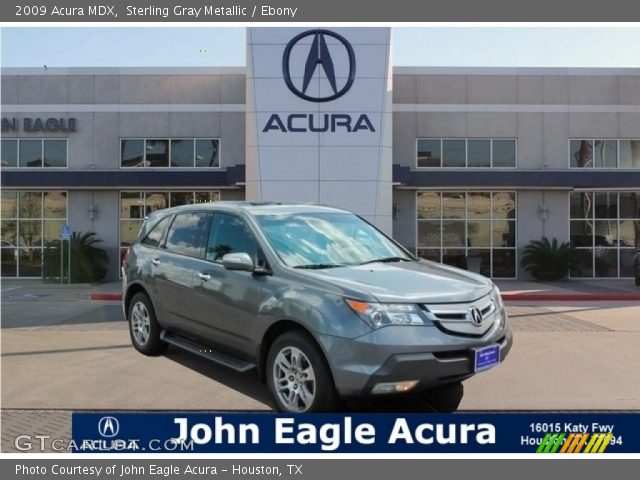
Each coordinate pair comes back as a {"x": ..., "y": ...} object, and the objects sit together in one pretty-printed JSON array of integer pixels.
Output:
[
  {"x": 129, "y": 230},
  {"x": 630, "y": 205},
  {"x": 51, "y": 230},
  {"x": 606, "y": 153},
  {"x": 55, "y": 153},
  {"x": 479, "y": 153},
  {"x": 132, "y": 153},
  {"x": 30, "y": 220},
  {"x": 206, "y": 197},
  {"x": 429, "y": 154},
  {"x": 155, "y": 236},
  {"x": 453, "y": 153},
  {"x": 165, "y": 152},
  {"x": 311, "y": 239},
  {"x": 182, "y": 153},
  {"x": 9, "y": 153},
  {"x": 30, "y": 205},
  {"x": 9, "y": 260},
  {"x": 471, "y": 230},
  {"x": 157, "y": 153},
  {"x": 29, "y": 262},
  {"x": 581, "y": 153},
  {"x": 606, "y": 205},
  {"x": 55, "y": 204},
  {"x": 30, "y": 153},
  {"x": 479, "y": 233},
  {"x": 207, "y": 153},
  {"x": 230, "y": 234},
  {"x": 504, "y": 153},
  {"x": 453, "y": 205},
  {"x": 604, "y": 228},
  {"x": 9, "y": 204},
  {"x": 470, "y": 152},
  {"x": 155, "y": 201},
  {"x": 134, "y": 206},
  {"x": 479, "y": 205},
  {"x": 8, "y": 233},
  {"x": 629, "y": 154},
  {"x": 187, "y": 233},
  {"x": 429, "y": 205},
  {"x": 181, "y": 198},
  {"x": 429, "y": 233},
  {"x": 131, "y": 205},
  {"x": 453, "y": 233},
  {"x": 581, "y": 204}
]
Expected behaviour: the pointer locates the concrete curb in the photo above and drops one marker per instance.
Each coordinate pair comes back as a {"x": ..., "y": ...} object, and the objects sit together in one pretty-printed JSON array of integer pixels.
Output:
[{"x": 506, "y": 296}]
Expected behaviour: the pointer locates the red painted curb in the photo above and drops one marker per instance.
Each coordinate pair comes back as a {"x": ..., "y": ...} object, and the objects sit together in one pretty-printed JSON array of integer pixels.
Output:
[
  {"x": 570, "y": 297},
  {"x": 116, "y": 297},
  {"x": 506, "y": 296}
]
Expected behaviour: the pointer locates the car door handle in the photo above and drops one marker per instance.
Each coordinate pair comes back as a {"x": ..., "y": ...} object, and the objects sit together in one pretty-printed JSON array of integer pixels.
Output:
[
  {"x": 155, "y": 261},
  {"x": 204, "y": 276}
]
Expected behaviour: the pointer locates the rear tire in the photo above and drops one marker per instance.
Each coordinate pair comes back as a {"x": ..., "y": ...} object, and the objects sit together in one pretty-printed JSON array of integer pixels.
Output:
[
  {"x": 446, "y": 398},
  {"x": 144, "y": 329},
  {"x": 298, "y": 376}
]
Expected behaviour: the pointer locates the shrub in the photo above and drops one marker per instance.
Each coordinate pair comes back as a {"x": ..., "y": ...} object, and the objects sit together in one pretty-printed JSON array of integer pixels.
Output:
[
  {"x": 547, "y": 260},
  {"x": 88, "y": 262}
]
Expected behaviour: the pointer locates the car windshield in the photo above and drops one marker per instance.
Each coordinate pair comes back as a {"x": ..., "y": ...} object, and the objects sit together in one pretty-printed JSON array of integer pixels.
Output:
[{"x": 327, "y": 239}]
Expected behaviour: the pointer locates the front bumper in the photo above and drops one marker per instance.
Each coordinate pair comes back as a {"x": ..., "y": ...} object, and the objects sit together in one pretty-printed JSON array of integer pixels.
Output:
[{"x": 394, "y": 354}]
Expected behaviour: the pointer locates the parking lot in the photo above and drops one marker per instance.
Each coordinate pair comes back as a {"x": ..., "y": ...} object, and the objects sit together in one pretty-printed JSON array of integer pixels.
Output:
[{"x": 62, "y": 351}]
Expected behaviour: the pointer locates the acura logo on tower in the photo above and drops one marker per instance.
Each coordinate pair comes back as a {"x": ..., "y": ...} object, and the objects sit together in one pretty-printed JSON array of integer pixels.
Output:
[
  {"x": 108, "y": 427},
  {"x": 475, "y": 315},
  {"x": 319, "y": 58}
]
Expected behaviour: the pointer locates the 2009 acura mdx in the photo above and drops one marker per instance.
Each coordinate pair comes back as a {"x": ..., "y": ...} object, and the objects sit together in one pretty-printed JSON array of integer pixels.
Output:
[{"x": 319, "y": 301}]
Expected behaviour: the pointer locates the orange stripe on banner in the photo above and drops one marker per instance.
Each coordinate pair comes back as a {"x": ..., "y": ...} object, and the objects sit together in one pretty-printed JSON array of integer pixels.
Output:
[
  {"x": 567, "y": 442},
  {"x": 581, "y": 441}
]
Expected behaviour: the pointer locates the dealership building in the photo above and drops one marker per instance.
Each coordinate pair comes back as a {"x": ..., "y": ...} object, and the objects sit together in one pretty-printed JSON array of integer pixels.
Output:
[{"x": 461, "y": 165}]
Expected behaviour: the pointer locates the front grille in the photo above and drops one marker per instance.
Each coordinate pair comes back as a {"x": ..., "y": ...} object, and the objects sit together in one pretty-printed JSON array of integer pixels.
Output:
[{"x": 453, "y": 318}]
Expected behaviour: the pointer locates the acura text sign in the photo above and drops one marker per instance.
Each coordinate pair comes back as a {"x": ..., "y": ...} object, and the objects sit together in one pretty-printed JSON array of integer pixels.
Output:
[{"x": 319, "y": 118}]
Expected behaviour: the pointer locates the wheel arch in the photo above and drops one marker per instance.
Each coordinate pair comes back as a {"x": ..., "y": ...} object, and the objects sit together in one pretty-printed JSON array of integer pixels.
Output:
[{"x": 272, "y": 333}]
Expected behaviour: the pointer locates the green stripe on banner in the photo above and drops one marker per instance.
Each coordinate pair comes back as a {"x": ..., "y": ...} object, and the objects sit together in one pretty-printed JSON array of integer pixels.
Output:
[
  {"x": 558, "y": 443},
  {"x": 550, "y": 443},
  {"x": 543, "y": 443}
]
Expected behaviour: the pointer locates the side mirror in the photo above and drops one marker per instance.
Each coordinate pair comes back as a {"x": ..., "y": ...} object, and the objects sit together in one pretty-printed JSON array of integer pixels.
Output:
[{"x": 238, "y": 261}]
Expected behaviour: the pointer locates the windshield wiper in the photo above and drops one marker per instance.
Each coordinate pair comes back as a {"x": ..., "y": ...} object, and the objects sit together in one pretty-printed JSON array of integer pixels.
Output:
[
  {"x": 387, "y": 260},
  {"x": 319, "y": 266}
]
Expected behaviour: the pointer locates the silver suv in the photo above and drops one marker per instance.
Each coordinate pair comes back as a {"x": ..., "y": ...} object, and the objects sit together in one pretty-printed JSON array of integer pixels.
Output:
[{"x": 322, "y": 304}]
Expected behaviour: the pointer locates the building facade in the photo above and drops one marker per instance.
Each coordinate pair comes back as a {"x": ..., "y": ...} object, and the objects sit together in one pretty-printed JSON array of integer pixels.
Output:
[{"x": 461, "y": 165}]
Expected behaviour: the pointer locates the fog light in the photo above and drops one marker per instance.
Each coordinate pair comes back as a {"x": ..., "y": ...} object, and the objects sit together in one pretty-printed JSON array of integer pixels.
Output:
[{"x": 394, "y": 387}]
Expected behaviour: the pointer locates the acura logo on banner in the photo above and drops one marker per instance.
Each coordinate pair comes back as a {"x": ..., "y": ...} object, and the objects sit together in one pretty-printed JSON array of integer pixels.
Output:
[{"x": 319, "y": 58}]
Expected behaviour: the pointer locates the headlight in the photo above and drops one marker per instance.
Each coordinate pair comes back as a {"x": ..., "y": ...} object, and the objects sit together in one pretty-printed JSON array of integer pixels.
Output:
[
  {"x": 382, "y": 314},
  {"x": 501, "y": 311},
  {"x": 496, "y": 297}
]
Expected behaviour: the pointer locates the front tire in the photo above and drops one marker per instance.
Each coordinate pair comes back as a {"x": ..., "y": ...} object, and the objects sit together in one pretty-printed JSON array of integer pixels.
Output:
[
  {"x": 298, "y": 376},
  {"x": 144, "y": 329}
]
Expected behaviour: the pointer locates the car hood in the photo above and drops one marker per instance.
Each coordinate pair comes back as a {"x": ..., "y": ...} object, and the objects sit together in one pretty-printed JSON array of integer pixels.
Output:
[{"x": 409, "y": 282}]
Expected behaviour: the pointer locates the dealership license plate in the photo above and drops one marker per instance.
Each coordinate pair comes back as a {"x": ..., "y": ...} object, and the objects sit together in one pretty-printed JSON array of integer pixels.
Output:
[{"x": 486, "y": 357}]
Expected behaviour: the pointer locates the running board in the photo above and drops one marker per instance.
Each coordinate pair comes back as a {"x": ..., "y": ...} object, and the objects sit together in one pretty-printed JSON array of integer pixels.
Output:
[{"x": 220, "y": 358}]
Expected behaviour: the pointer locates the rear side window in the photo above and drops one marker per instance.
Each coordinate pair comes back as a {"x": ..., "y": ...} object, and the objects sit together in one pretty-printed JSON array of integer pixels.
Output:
[
  {"x": 187, "y": 233},
  {"x": 155, "y": 236}
]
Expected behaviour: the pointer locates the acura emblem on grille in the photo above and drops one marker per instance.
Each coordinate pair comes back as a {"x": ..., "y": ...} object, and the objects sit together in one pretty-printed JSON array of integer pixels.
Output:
[{"x": 475, "y": 315}]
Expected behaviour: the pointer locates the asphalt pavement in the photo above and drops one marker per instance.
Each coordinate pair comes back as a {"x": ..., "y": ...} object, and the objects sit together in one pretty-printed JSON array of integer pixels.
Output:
[{"x": 62, "y": 351}]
